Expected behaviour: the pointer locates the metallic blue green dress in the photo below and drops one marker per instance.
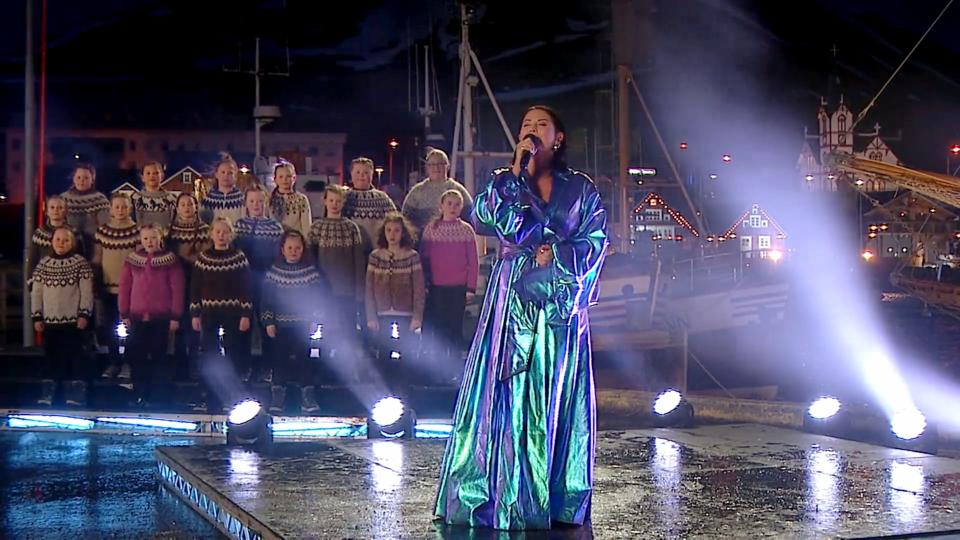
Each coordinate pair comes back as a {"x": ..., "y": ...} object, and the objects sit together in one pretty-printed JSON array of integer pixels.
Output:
[{"x": 521, "y": 452}]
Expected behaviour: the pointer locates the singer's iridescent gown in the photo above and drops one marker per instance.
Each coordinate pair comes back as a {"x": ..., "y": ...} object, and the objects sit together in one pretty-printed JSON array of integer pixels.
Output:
[{"x": 521, "y": 452}]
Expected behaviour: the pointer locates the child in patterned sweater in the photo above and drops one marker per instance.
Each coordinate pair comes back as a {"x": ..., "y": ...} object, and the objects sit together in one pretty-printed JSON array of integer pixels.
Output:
[
  {"x": 290, "y": 308},
  {"x": 87, "y": 208},
  {"x": 61, "y": 305},
  {"x": 114, "y": 240},
  {"x": 188, "y": 237},
  {"x": 395, "y": 296},
  {"x": 41, "y": 243},
  {"x": 153, "y": 205},
  {"x": 449, "y": 252},
  {"x": 221, "y": 298},
  {"x": 286, "y": 205},
  {"x": 151, "y": 304}
]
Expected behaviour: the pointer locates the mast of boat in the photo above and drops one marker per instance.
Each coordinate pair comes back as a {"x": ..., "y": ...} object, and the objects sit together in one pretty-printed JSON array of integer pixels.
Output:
[{"x": 471, "y": 73}]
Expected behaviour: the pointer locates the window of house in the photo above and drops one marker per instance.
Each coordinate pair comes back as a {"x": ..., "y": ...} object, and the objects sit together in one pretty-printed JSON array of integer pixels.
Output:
[
  {"x": 763, "y": 242},
  {"x": 755, "y": 222},
  {"x": 653, "y": 214},
  {"x": 746, "y": 243},
  {"x": 187, "y": 177}
]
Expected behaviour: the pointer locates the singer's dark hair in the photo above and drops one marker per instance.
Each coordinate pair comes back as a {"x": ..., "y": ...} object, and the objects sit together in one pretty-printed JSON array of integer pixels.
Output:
[{"x": 560, "y": 155}]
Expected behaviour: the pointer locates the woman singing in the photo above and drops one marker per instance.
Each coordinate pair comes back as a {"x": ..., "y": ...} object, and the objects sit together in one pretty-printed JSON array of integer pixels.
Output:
[{"x": 521, "y": 452}]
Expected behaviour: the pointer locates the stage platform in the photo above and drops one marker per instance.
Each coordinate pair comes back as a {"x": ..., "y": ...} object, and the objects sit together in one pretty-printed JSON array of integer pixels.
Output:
[{"x": 721, "y": 481}]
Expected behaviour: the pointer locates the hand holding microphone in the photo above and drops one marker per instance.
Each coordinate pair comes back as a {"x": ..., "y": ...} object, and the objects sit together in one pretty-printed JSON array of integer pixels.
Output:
[{"x": 526, "y": 149}]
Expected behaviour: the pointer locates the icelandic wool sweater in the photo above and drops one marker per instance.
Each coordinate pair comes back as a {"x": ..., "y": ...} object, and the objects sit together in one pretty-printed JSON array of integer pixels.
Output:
[
  {"x": 41, "y": 243},
  {"x": 86, "y": 210},
  {"x": 221, "y": 284},
  {"x": 366, "y": 208},
  {"x": 395, "y": 284},
  {"x": 259, "y": 239},
  {"x": 449, "y": 253},
  {"x": 151, "y": 286},
  {"x": 188, "y": 238},
  {"x": 292, "y": 293},
  {"x": 62, "y": 290},
  {"x": 292, "y": 210},
  {"x": 338, "y": 246},
  {"x": 112, "y": 243},
  {"x": 156, "y": 208},
  {"x": 216, "y": 204},
  {"x": 423, "y": 201}
]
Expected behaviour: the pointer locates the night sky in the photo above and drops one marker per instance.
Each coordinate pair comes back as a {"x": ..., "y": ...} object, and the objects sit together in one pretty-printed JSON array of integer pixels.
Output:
[{"x": 729, "y": 76}]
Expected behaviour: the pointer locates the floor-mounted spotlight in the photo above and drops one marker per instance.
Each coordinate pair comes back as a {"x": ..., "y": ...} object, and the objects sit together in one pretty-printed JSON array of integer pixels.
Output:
[
  {"x": 671, "y": 409},
  {"x": 248, "y": 424},
  {"x": 909, "y": 430},
  {"x": 391, "y": 418},
  {"x": 826, "y": 416}
]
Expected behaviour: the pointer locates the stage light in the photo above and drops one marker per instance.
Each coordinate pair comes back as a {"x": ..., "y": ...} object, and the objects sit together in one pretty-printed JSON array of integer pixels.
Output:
[
  {"x": 167, "y": 425},
  {"x": 248, "y": 424},
  {"x": 671, "y": 409},
  {"x": 434, "y": 429},
  {"x": 775, "y": 255},
  {"x": 808, "y": 178},
  {"x": 51, "y": 421},
  {"x": 390, "y": 417},
  {"x": 824, "y": 407},
  {"x": 908, "y": 424},
  {"x": 867, "y": 255}
]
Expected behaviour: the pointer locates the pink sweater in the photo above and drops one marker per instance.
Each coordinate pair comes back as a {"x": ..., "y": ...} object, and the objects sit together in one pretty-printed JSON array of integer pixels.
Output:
[
  {"x": 151, "y": 286},
  {"x": 449, "y": 253}
]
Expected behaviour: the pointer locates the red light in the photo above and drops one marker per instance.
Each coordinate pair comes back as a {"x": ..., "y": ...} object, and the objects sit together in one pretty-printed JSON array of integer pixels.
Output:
[
  {"x": 683, "y": 146},
  {"x": 726, "y": 158},
  {"x": 955, "y": 149},
  {"x": 394, "y": 144}
]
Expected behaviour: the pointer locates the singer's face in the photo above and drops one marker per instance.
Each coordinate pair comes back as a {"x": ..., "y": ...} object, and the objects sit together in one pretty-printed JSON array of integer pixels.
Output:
[{"x": 539, "y": 123}]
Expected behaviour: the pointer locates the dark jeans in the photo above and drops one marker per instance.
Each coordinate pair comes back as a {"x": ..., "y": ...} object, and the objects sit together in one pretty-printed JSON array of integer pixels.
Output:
[
  {"x": 396, "y": 371},
  {"x": 289, "y": 353},
  {"x": 443, "y": 326},
  {"x": 221, "y": 374},
  {"x": 146, "y": 352},
  {"x": 65, "y": 356},
  {"x": 108, "y": 317}
]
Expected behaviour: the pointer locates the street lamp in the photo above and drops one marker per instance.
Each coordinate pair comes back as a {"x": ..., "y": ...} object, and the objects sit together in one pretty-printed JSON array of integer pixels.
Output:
[
  {"x": 954, "y": 151},
  {"x": 727, "y": 158},
  {"x": 379, "y": 171},
  {"x": 393, "y": 144}
]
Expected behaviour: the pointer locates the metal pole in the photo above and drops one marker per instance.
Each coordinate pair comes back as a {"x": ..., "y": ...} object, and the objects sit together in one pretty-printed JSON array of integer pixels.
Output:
[
  {"x": 493, "y": 100},
  {"x": 461, "y": 89},
  {"x": 256, "y": 107},
  {"x": 29, "y": 170},
  {"x": 469, "y": 180},
  {"x": 623, "y": 152}
]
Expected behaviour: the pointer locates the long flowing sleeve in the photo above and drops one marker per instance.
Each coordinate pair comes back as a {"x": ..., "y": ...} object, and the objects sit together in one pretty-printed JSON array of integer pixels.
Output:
[
  {"x": 568, "y": 284},
  {"x": 498, "y": 205},
  {"x": 473, "y": 262}
]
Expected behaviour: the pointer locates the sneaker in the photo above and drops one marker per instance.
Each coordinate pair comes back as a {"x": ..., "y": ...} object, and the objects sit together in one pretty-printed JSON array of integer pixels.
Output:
[
  {"x": 124, "y": 372},
  {"x": 308, "y": 402},
  {"x": 111, "y": 371}
]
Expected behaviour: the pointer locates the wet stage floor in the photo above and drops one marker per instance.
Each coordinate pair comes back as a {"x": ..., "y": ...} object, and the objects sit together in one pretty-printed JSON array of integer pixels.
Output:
[{"x": 727, "y": 481}]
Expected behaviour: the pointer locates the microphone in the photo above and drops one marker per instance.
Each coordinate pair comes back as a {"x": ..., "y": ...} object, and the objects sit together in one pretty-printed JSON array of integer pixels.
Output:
[{"x": 527, "y": 155}]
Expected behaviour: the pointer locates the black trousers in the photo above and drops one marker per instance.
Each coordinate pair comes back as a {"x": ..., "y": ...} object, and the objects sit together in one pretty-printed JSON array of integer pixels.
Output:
[
  {"x": 396, "y": 350},
  {"x": 289, "y": 353},
  {"x": 443, "y": 321},
  {"x": 221, "y": 374},
  {"x": 108, "y": 317},
  {"x": 65, "y": 356},
  {"x": 146, "y": 351}
]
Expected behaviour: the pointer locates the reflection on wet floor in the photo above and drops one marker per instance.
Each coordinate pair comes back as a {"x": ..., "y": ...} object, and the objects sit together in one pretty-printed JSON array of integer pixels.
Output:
[
  {"x": 711, "y": 481},
  {"x": 58, "y": 485}
]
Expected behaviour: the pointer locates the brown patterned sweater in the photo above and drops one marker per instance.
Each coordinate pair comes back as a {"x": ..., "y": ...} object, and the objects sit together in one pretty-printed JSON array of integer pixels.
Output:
[
  {"x": 62, "y": 290},
  {"x": 221, "y": 284},
  {"x": 394, "y": 284},
  {"x": 338, "y": 247}
]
